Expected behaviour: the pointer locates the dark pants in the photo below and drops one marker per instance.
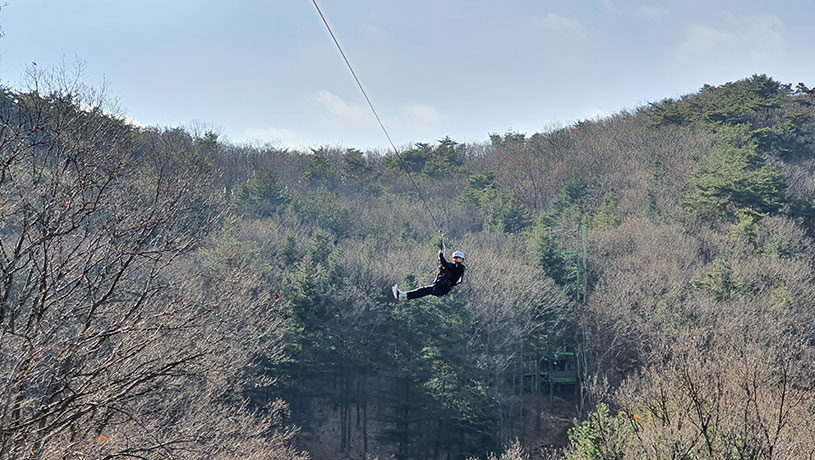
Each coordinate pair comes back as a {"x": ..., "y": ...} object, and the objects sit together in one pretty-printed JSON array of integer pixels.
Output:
[{"x": 437, "y": 289}]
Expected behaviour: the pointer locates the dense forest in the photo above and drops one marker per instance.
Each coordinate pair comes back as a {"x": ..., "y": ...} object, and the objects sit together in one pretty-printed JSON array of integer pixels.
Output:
[{"x": 638, "y": 286}]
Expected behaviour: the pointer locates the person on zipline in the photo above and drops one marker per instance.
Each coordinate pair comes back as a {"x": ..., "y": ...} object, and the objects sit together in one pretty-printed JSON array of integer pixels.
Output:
[{"x": 450, "y": 275}]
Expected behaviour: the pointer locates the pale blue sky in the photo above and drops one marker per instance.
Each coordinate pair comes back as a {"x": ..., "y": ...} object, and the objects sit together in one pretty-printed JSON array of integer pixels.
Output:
[{"x": 267, "y": 70}]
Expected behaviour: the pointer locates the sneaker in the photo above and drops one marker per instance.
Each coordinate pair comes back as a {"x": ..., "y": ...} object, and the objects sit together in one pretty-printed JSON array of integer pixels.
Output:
[{"x": 395, "y": 290}]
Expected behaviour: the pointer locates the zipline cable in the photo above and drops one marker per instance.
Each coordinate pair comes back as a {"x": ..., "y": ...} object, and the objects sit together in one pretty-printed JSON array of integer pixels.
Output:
[{"x": 381, "y": 125}]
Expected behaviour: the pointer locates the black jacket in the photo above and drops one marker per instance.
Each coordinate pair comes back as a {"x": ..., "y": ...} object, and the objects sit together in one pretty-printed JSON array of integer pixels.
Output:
[{"x": 450, "y": 273}]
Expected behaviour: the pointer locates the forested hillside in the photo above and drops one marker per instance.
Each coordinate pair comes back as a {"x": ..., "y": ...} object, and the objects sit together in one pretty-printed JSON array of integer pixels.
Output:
[{"x": 165, "y": 294}]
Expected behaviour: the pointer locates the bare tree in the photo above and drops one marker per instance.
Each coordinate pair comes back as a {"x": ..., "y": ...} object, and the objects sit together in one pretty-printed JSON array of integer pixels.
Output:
[{"x": 107, "y": 343}]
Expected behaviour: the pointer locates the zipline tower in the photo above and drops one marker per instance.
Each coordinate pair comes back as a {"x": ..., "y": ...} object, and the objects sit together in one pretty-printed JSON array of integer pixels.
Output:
[{"x": 572, "y": 243}]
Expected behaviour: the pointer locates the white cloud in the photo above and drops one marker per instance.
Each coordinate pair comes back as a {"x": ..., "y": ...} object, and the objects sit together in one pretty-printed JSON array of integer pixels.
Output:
[
  {"x": 595, "y": 113},
  {"x": 701, "y": 39},
  {"x": 349, "y": 122},
  {"x": 133, "y": 122},
  {"x": 85, "y": 107},
  {"x": 753, "y": 37},
  {"x": 336, "y": 107},
  {"x": 651, "y": 12},
  {"x": 421, "y": 114},
  {"x": 560, "y": 25},
  {"x": 277, "y": 136},
  {"x": 762, "y": 34}
]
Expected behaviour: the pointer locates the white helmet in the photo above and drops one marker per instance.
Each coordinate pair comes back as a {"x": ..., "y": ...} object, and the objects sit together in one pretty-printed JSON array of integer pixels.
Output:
[{"x": 458, "y": 254}]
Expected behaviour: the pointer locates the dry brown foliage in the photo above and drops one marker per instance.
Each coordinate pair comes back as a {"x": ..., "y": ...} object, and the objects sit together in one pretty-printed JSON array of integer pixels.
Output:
[{"x": 113, "y": 343}]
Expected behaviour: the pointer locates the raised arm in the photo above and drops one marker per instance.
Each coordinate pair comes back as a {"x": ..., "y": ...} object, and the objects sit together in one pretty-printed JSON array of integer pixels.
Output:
[{"x": 442, "y": 261}]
